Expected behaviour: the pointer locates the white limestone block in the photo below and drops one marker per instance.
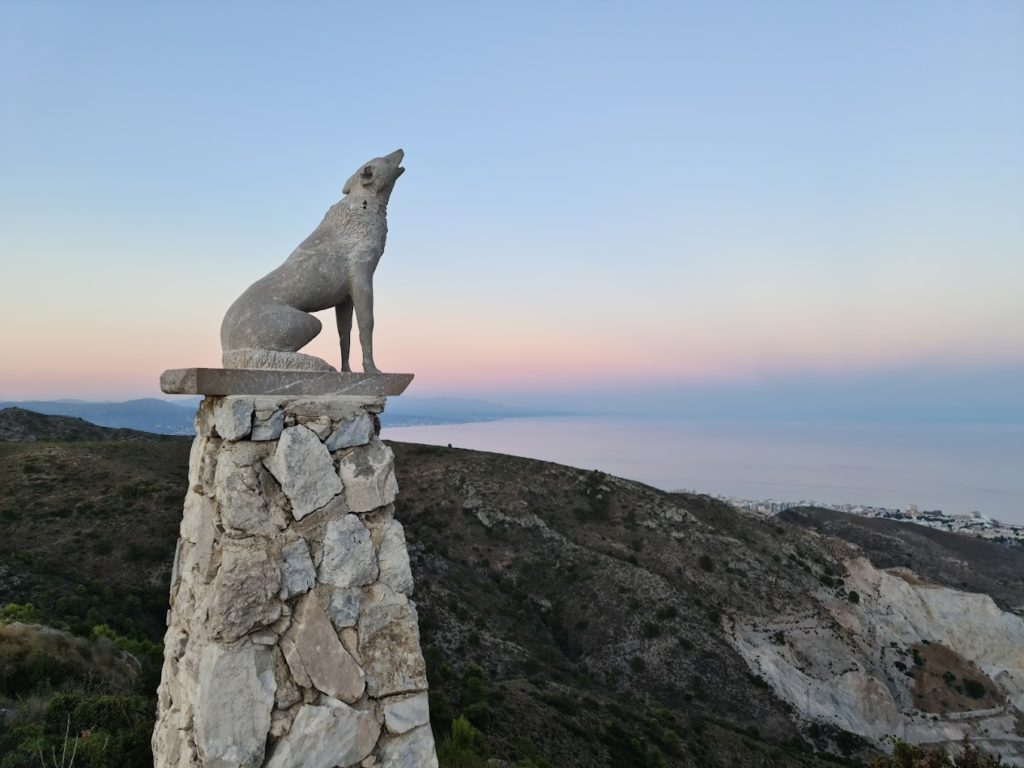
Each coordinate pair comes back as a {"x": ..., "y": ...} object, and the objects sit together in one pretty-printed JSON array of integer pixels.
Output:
[
  {"x": 351, "y": 432},
  {"x": 414, "y": 749},
  {"x": 368, "y": 474},
  {"x": 393, "y": 559},
  {"x": 349, "y": 559},
  {"x": 326, "y": 736},
  {"x": 233, "y": 704},
  {"x": 313, "y": 650},
  {"x": 267, "y": 424},
  {"x": 297, "y": 572},
  {"x": 389, "y": 642},
  {"x": 243, "y": 595},
  {"x": 402, "y": 714},
  {"x": 233, "y": 417},
  {"x": 305, "y": 471}
]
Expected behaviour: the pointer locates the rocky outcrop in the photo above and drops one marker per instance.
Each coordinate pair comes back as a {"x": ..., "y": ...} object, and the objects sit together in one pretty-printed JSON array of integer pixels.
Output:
[
  {"x": 291, "y": 638},
  {"x": 856, "y": 661}
]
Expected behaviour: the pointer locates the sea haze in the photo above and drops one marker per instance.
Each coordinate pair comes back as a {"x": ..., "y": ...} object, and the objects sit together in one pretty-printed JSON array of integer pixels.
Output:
[{"x": 953, "y": 467}]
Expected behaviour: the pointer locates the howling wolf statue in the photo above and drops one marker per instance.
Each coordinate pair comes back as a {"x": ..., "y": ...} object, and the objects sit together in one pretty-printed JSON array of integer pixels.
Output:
[{"x": 333, "y": 267}]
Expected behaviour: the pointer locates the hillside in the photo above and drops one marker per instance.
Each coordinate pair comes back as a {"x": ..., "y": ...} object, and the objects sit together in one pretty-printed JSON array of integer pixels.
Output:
[
  {"x": 21, "y": 425},
  {"x": 147, "y": 414},
  {"x": 960, "y": 562},
  {"x": 576, "y": 619}
]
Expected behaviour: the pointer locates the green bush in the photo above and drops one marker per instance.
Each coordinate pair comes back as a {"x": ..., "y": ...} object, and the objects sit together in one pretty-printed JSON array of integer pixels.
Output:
[
  {"x": 12, "y": 612},
  {"x": 463, "y": 747}
]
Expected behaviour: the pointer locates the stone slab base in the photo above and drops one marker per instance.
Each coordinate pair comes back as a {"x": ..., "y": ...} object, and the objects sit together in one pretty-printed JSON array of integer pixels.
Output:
[
  {"x": 291, "y": 639},
  {"x": 259, "y": 381}
]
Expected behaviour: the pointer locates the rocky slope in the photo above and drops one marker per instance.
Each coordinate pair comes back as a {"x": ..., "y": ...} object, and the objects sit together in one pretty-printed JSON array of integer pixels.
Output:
[
  {"x": 680, "y": 602},
  {"x": 574, "y": 619},
  {"x": 961, "y": 562}
]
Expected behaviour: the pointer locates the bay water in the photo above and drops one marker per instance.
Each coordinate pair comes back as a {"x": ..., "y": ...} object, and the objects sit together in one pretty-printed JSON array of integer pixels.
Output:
[{"x": 956, "y": 468}]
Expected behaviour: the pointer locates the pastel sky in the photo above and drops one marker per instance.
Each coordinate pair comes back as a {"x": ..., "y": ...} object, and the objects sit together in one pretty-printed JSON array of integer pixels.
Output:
[{"x": 607, "y": 197}]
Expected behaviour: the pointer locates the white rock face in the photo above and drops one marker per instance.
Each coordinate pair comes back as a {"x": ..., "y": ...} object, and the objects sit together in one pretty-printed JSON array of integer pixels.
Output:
[
  {"x": 285, "y": 604},
  {"x": 403, "y": 713},
  {"x": 393, "y": 559},
  {"x": 349, "y": 559},
  {"x": 235, "y": 697},
  {"x": 233, "y": 417},
  {"x": 303, "y": 467},
  {"x": 326, "y": 736},
  {"x": 368, "y": 474},
  {"x": 414, "y": 749},
  {"x": 836, "y": 665}
]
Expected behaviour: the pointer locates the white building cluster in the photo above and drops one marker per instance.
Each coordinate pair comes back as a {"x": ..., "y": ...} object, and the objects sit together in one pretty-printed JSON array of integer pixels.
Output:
[{"x": 972, "y": 524}]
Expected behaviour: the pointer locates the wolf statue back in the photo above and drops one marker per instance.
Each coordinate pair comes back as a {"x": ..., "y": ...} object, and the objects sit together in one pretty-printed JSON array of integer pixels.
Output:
[{"x": 268, "y": 324}]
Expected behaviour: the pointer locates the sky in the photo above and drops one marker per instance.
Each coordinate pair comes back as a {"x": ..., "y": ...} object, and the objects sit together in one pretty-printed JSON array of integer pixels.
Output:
[{"x": 808, "y": 205}]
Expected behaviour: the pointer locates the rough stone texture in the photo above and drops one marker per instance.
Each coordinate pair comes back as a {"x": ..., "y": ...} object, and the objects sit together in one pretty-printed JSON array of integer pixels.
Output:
[
  {"x": 267, "y": 425},
  {"x": 414, "y": 749},
  {"x": 275, "y": 621},
  {"x": 233, "y": 417},
  {"x": 314, "y": 652},
  {"x": 403, "y": 713},
  {"x": 393, "y": 559},
  {"x": 326, "y": 736},
  {"x": 236, "y": 694},
  {"x": 349, "y": 559},
  {"x": 349, "y": 434},
  {"x": 237, "y": 489},
  {"x": 297, "y": 572},
  {"x": 243, "y": 594},
  {"x": 389, "y": 641},
  {"x": 344, "y": 607},
  {"x": 331, "y": 269},
  {"x": 368, "y": 475},
  {"x": 303, "y": 466}
]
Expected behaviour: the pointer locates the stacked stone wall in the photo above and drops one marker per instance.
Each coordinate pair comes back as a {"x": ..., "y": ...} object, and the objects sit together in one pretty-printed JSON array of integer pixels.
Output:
[{"x": 291, "y": 637}]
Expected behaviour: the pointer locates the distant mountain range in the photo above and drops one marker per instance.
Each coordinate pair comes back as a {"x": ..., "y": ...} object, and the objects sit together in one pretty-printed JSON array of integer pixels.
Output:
[
  {"x": 148, "y": 414},
  {"x": 175, "y": 417}
]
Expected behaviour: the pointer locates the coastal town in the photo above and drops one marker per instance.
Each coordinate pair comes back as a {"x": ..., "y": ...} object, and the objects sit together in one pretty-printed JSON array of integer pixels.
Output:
[{"x": 971, "y": 524}]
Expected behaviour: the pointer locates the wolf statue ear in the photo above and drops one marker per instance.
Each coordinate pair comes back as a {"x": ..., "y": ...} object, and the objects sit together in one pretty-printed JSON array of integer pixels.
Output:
[{"x": 363, "y": 175}]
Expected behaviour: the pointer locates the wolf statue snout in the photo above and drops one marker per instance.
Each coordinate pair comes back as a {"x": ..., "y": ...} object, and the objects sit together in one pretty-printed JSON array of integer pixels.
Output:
[{"x": 333, "y": 267}]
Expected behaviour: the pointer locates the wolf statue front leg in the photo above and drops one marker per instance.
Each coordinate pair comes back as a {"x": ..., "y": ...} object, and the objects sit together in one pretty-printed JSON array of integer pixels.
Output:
[
  {"x": 362, "y": 299},
  {"x": 343, "y": 312}
]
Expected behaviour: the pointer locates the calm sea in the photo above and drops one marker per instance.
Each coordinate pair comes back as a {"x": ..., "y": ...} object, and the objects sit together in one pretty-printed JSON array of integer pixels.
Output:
[{"x": 955, "y": 468}]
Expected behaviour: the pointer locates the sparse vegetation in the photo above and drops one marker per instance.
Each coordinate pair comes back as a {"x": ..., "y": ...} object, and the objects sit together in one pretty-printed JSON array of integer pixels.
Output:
[
  {"x": 908, "y": 756},
  {"x": 515, "y": 626}
]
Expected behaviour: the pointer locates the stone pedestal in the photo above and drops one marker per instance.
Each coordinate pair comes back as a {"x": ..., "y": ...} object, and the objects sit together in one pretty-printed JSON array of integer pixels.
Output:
[{"x": 291, "y": 639}]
